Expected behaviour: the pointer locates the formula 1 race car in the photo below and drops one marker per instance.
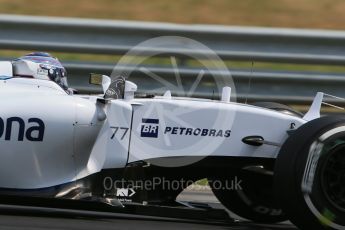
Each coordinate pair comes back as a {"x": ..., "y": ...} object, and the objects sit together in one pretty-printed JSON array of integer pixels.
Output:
[{"x": 264, "y": 162}]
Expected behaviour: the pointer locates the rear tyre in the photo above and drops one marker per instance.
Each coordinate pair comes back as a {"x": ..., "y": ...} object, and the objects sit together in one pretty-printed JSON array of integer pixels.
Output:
[
  {"x": 310, "y": 175},
  {"x": 256, "y": 200},
  {"x": 252, "y": 198}
]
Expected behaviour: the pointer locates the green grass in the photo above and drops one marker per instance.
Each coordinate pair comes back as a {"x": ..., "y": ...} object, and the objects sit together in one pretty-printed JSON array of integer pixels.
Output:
[
  {"x": 282, "y": 13},
  {"x": 203, "y": 182}
]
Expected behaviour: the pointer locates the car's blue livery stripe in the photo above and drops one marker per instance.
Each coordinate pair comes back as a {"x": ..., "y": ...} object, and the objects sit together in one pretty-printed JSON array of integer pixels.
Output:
[
  {"x": 4, "y": 78},
  {"x": 150, "y": 121}
]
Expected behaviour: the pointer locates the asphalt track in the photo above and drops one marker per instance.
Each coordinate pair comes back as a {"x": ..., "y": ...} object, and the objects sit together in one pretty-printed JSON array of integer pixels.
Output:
[
  {"x": 34, "y": 222},
  {"x": 10, "y": 218}
]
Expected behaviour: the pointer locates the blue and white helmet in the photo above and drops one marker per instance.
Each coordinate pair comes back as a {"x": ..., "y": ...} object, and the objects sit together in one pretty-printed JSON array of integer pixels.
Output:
[{"x": 41, "y": 66}]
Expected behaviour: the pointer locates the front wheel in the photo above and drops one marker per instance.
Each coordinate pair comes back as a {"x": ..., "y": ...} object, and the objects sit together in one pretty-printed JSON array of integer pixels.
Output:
[{"x": 310, "y": 175}]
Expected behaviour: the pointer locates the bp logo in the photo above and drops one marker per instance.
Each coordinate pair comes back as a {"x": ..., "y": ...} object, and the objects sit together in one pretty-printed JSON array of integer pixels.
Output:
[{"x": 149, "y": 128}]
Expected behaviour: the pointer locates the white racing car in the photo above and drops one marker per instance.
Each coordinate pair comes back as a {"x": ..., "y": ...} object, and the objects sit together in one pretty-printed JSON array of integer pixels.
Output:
[{"x": 264, "y": 162}]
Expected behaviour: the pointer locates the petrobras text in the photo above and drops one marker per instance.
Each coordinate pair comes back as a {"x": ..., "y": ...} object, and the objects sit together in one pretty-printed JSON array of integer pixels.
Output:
[{"x": 202, "y": 132}]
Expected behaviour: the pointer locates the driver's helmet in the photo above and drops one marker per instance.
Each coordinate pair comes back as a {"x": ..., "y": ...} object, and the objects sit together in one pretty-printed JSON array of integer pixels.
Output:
[{"x": 41, "y": 66}]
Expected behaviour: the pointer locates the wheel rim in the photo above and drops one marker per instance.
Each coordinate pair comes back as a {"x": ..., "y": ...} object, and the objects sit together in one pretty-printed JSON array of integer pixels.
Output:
[{"x": 333, "y": 177}]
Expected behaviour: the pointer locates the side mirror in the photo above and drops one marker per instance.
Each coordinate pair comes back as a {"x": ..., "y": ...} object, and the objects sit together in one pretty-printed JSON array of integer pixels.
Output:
[
  {"x": 130, "y": 89},
  {"x": 6, "y": 69},
  {"x": 99, "y": 79}
]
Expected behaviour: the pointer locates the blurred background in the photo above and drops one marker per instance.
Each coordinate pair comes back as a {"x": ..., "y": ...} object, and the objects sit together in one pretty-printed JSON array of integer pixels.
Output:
[
  {"x": 323, "y": 15},
  {"x": 326, "y": 14}
]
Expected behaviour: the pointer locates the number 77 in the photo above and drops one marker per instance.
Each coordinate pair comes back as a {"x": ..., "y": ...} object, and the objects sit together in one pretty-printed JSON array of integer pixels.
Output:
[{"x": 116, "y": 129}]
